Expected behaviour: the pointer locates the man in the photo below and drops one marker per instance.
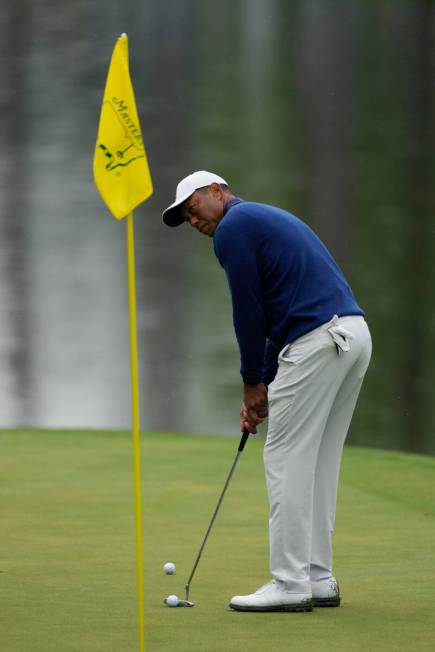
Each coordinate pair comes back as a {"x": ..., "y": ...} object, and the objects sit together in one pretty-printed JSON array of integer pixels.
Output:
[{"x": 304, "y": 348}]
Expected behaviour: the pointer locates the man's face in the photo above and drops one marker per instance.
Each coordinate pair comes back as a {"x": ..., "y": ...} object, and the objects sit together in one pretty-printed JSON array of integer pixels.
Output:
[{"x": 204, "y": 209}]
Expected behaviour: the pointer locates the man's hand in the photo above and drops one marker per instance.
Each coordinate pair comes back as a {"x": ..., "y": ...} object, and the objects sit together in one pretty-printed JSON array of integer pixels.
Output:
[{"x": 254, "y": 407}]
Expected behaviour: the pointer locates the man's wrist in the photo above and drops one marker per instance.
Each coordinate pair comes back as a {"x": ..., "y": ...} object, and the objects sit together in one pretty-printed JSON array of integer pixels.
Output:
[
  {"x": 249, "y": 388},
  {"x": 254, "y": 393}
]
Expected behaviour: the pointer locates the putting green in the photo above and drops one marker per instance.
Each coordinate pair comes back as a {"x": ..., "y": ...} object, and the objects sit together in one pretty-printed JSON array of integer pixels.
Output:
[{"x": 67, "y": 566}]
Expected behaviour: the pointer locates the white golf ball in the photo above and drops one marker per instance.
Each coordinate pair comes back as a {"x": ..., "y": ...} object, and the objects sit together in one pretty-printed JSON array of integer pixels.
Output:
[
  {"x": 169, "y": 568},
  {"x": 172, "y": 601}
]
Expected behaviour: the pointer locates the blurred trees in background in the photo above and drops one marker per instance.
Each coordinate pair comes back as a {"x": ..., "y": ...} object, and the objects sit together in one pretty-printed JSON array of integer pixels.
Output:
[{"x": 324, "y": 107}]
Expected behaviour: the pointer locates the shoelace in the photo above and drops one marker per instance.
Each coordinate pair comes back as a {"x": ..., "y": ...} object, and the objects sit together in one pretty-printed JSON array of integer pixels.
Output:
[{"x": 265, "y": 586}]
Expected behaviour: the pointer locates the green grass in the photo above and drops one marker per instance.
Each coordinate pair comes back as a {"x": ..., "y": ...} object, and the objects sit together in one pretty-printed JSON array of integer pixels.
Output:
[{"x": 67, "y": 564}]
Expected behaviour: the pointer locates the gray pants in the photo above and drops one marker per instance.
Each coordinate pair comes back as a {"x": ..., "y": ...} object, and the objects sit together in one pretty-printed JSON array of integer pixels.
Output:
[{"x": 311, "y": 402}]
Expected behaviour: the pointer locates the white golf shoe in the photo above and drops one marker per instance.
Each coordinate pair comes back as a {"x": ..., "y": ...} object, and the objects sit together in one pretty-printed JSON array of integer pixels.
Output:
[
  {"x": 326, "y": 593},
  {"x": 273, "y": 596}
]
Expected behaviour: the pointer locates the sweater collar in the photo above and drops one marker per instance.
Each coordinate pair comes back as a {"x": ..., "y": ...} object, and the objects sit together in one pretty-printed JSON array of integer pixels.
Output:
[{"x": 232, "y": 203}]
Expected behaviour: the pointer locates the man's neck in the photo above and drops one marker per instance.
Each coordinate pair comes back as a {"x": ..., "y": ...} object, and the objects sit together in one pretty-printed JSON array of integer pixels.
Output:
[{"x": 228, "y": 197}]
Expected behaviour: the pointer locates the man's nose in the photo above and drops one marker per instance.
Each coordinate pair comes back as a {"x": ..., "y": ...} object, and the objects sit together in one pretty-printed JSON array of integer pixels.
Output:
[{"x": 193, "y": 220}]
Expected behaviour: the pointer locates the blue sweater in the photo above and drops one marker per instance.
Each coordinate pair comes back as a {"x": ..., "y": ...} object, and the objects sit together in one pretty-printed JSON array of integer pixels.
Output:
[{"x": 283, "y": 283}]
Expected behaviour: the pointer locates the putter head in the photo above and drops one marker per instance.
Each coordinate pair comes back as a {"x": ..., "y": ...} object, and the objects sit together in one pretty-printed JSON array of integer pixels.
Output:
[{"x": 182, "y": 603}]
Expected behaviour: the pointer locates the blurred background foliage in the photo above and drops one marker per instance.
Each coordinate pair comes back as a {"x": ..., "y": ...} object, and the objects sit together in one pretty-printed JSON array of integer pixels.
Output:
[{"x": 323, "y": 107}]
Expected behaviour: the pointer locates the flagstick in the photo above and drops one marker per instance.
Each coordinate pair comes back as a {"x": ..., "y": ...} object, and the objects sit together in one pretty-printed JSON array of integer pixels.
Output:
[{"x": 136, "y": 429}]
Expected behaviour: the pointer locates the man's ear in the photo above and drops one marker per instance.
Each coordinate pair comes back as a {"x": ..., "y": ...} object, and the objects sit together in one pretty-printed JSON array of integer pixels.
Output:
[{"x": 216, "y": 190}]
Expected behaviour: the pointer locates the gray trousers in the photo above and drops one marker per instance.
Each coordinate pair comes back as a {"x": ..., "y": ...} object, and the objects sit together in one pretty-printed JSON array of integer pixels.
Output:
[{"x": 311, "y": 403}]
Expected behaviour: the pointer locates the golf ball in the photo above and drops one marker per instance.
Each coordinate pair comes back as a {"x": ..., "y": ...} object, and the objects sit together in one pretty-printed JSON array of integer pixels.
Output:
[
  {"x": 169, "y": 568},
  {"x": 172, "y": 601}
]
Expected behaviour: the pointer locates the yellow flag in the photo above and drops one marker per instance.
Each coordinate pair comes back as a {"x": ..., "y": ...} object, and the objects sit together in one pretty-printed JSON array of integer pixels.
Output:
[{"x": 121, "y": 169}]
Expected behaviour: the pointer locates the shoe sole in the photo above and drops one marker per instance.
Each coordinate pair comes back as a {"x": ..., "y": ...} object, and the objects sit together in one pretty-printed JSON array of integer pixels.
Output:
[
  {"x": 283, "y": 607},
  {"x": 326, "y": 602}
]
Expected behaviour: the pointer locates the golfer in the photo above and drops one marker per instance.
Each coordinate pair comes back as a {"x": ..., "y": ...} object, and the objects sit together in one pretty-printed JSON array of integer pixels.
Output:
[{"x": 304, "y": 349}]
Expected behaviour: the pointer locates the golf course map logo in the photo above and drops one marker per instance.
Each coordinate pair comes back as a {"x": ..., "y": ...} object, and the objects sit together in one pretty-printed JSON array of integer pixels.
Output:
[{"x": 125, "y": 133}]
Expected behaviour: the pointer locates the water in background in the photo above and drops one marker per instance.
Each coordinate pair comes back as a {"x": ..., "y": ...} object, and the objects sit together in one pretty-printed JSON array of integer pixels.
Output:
[{"x": 324, "y": 107}]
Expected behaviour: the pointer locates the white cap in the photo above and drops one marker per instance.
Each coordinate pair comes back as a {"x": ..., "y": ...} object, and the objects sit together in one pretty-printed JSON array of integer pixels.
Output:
[{"x": 185, "y": 188}]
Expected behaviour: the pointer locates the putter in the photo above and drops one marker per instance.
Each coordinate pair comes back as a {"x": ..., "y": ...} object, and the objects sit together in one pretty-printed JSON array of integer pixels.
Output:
[
  {"x": 243, "y": 440},
  {"x": 181, "y": 603}
]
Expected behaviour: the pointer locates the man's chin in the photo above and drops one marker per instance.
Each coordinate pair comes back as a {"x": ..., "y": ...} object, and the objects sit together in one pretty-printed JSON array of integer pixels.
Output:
[{"x": 207, "y": 230}]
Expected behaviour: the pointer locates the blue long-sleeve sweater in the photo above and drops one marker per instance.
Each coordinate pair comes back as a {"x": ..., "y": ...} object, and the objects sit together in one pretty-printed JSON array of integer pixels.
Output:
[{"x": 283, "y": 282}]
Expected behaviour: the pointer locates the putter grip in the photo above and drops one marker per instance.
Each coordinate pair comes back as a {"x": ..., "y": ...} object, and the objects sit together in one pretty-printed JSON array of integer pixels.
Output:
[{"x": 243, "y": 440}]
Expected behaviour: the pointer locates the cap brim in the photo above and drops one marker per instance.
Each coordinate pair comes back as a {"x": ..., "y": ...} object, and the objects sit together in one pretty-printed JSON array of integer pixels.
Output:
[{"x": 172, "y": 216}]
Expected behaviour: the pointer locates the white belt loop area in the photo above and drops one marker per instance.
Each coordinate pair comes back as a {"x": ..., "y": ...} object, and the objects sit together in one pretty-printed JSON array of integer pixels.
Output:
[{"x": 339, "y": 335}]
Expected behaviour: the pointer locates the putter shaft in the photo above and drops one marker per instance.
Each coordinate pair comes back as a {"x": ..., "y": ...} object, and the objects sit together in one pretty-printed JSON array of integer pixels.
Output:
[{"x": 215, "y": 513}]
